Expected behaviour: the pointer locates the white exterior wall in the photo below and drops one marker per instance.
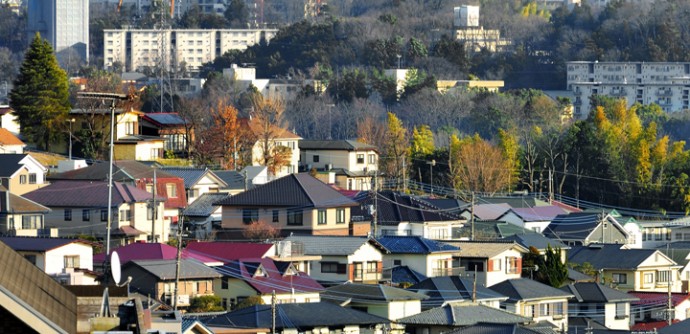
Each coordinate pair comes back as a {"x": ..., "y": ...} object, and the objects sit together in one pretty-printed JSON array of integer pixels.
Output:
[
  {"x": 12, "y": 149},
  {"x": 612, "y": 322},
  {"x": 423, "y": 263},
  {"x": 257, "y": 153},
  {"x": 203, "y": 186},
  {"x": 651, "y": 266},
  {"x": 54, "y": 259},
  {"x": 495, "y": 277},
  {"x": 282, "y": 298},
  {"x": 10, "y": 123},
  {"x": 634, "y": 235}
]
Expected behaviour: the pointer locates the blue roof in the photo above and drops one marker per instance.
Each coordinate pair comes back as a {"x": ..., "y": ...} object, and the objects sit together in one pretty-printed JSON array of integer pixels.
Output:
[
  {"x": 444, "y": 289},
  {"x": 414, "y": 245},
  {"x": 166, "y": 118},
  {"x": 403, "y": 274}
]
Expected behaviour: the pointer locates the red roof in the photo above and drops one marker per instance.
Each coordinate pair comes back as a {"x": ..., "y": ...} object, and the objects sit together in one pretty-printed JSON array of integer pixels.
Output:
[
  {"x": 648, "y": 326},
  {"x": 7, "y": 138},
  {"x": 655, "y": 298},
  {"x": 565, "y": 207},
  {"x": 152, "y": 251},
  {"x": 275, "y": 279},
  {"x": 230, "y": 251}
]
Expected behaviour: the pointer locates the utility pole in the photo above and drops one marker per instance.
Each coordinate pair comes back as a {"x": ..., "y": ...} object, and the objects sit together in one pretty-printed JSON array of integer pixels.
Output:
[
  {"x": 180, "y": 221},
  {"x": 404, "y": 174},
  {"x": 153, "y": 207},
  {"x": 550, "y": 186},
  {"x": 273, "y": 312},
  {"x": 670, "y": 312},
  {"x": 472, "y": 216},
  {"x": 376, "y": 202}
]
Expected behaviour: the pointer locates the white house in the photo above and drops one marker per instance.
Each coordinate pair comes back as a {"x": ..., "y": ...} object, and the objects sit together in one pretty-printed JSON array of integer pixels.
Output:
[
  {"x": 493, "y": 262},
  {"x": 600, "y": 303},
  {"x": 429, "y": 257},
  {"x": 353, "y": 163},
  {"x": 535, "y": 300}
]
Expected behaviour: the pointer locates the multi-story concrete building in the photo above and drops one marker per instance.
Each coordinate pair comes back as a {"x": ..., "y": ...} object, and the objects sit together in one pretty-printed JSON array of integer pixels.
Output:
[
  {"x": 664, "y": 83},
  {"x": 64, "y": 23},
  {"x": 140, "y": 48},
  {"x": 475, "y": 37}
]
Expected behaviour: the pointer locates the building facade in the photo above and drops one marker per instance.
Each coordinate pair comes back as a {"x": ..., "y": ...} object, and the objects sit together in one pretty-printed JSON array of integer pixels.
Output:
[{"x": 64, "y": 23}]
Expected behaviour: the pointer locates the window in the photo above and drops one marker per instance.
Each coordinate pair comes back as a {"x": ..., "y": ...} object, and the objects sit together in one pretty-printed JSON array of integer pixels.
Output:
[
  {"x": 126, "y": 215},
  {"x": 250, "y": 215},
  {"x": 648, "y": 278},
  {"x": 193, "y": 193},
  {"x": 372, "y": 159},
  {"x": 333, "y": 267},
  {"x": 171, "y": 190},
  {"x": 557, "y": 309},
  {"x": 31, "y": 258},
  {"x": 71, "y": 261},
  {"x": 529, "y": 310},
  {"x": 371, "y": 267},
  {"x": 668, "y": 234},
  {"x": 663, "y": 276},
  {"x": 512, "y": 265},
  {"x": 495, "y": 265},
  {"x": 544, "y": 309},
  {"x": 397, "y": 262},
  {"x": 68, "y": 214},
  {"x": 360, "y": 158},
  {"x": 621, "y": 311},
  {"x": 32, "y": 178},
  {"x": 340, "y": 216},
  {"x": 275, "y": 216},
  {"x": 315, "y": 158},
  {"x": 130, "y": 128},
  {"x": 31, "y": 221},
  {"x": 321, "y": 219},
  {"x": 22, "y": 179},
  {"x": 104, "y": 215},
  {"x": 620, "y": 278},
  {"x": 294, "y": 217},
  {"x": 149, "y": 213}
]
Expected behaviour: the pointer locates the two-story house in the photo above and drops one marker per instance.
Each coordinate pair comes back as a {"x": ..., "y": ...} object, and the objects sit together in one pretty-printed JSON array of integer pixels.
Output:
[
  {"x": 430, "y": 257},
  {"x": 456, "y": 317},
  {"x": 377, "y": 299},
  {"x": 174, "y": 129},
  {"x": 535, "y": 300},
  {"x": 266, "y": 139},
  {"x": 22, "y": 217},
  {"x": 599, "y": 303},
  {"x": 197, "y": 181},
  {"x": 454, "y": 290},
  {"x": 74, "y": 213},
  {"x": 536, "y": 218},
  {"x": 297, "y": 203},
  {"x": 646, "y": 270},
  {"x": 21, "y": 173},
  {"x": 343, "y": 258},
  {"x": 493, "y": 262},
  {"x": 353, "y": 163},
  {"x": 584, "y": 228}
]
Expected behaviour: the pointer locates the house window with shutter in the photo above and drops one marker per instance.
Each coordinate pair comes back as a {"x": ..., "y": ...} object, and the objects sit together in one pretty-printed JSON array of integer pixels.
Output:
[{"x": 512, "y": 265}]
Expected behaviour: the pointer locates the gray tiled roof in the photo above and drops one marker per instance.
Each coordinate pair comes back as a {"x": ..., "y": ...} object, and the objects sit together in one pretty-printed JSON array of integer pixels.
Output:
[
  {"x": 339, "y": 145},
  {"x": 539, "y": 241},
  {"x": 203, "y": 205},
  {"x": 123, "y": 171},
  {"x": 166, "y": 269},
  {"x": 165, "y": 118},
  {"x": 190, "y": 175},
  {"x": 590, "y": 292},
  {"x": 444, "y": 289},
  {"x": 36, "y": 244},
  {"x": 609, "y": 256},
  {"x": 9, "y": 163},
  {"x": 11, "y": 203},
  {"x": 329, "y": 245},
  {"x": 682, "y": 327},
  {"x": 463, "y": 315},
  {"x": 499, "y": 329},
  {"x": 369, "y": 293},
  {"x": 523, "y": 289},
  {"x": 233, "y": 179},
  {"x": 298, "y": 190}
]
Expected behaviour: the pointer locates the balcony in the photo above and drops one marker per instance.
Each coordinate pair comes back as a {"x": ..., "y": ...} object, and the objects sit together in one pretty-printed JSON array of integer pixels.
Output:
[
  {"x": 618, "y": 92},
  {"x": 439, "y": 272},
  {"x": 664, "y": 92},
  {"x": 34, "y": 232}
]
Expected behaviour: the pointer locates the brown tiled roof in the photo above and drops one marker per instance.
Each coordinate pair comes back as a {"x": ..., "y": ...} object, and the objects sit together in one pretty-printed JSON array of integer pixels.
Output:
[
  {"x": 39, "y": 293},
  {"x": 7, "y": 138}
]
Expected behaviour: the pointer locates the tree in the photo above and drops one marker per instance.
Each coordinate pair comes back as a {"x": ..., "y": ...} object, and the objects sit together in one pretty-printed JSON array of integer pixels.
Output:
[
  {"x": 422, "y": 141},
  {"x": 267, "y": 125},
  {"x": 260, "y": 230},
  {"x": 552, "y": 271},
  {"x": 226, "y": 134},
  {"x": 395, "y": 147},
  {"x": 478, "y": 165},
  {"x": 201, "y": 304},
  {"x": 40, "y": 96},
  {"x": 237, "y": 14}
]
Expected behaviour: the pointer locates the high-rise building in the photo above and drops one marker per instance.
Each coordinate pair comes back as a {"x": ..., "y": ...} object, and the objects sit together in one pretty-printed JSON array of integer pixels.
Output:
[{"x": 65, "y": 24}]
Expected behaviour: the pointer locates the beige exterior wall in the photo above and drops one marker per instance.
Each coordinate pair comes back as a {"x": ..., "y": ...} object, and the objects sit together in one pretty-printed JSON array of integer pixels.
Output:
[
  {"x": 20, "y": 184},
  {"x": 203, "y": 186},
  {"x": 187, "y": 289},
  {"x": 534, "y": 309},
  {"x": 232, "y": 219}
]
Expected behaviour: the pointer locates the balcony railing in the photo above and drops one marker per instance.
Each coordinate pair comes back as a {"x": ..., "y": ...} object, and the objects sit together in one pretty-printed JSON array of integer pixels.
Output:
[{"x": 438, "y": 272}]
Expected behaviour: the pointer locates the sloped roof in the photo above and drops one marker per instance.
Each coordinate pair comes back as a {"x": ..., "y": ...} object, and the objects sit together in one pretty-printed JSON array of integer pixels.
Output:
[
  {"x": 501, "y": 329},
  {"x": 538, "y": 213},
  {"x": 36, "y": 244},
  {"x": 513, "y": 201},
  {"x": 369, "y": 293},
  {"x": 298, "y": 190},
  {"x": 524, "y": 289},
  {"x": 485, "y": 249},
  {"x": 414, "y": 245},
  {"x": 229, "y": 251},
  {"x": 11, "y": 203},
  {"x": 677, "y": 328},
  {"x": 123, "y": 171},
  {"x": 329, "y": 245},
  {"x": 71, "y": 194},
  {"x": 577, "y": 276},
  {"x": 591, "y": 292},
  {"x": 7, "y": 138},
  {"x": 204, "y": 206},
  {"x": 403, "y": 274},
  {"x": 465, "y": 314},
  {"x": 154, "y": 251},
  {"x": 492, "y": 230},
  {"x": 490, "y": 211},
  {"x": 40, "y": 295},
  {"x": 274, "y": 279},
  {"x": 302, "y": 316},
  {"x": 444, "y": 289},
  {"x": 9, "y": 163},
  {"x": 192, "y": 175},
  {"x": 335, "y": 145},
  {"x": 165, "y": 270},
  {"x": 537, "y": 240},
  {"x": 609, "y": 256},
  {"x": 164, "y": 118},
  {"x": 658, "y": 298},
  {"x": 232, "y": 179},
  {"x": 394, "y": 207},
  {"x": 576, "y": 226}
]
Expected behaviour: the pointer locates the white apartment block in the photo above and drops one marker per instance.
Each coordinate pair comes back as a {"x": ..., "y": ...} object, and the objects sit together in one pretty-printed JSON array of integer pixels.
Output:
[
  {"x": 665, "y": 84},
  {"x": 141, "y": 48}
]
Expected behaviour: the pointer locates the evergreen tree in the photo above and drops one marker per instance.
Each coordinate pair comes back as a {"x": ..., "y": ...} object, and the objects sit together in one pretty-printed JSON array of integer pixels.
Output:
[{"x": 40, "y": 96}]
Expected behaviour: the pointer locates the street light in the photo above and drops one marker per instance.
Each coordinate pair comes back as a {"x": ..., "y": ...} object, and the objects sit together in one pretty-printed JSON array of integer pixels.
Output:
[
  {"x": 72, "y": 120},
  {"x": 431, "y": 164}
]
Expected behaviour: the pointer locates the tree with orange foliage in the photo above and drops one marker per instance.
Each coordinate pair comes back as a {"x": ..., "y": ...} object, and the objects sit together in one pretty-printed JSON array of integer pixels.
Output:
[
  {"x": 481, "y": 166},
  {"x": 260, "y": 230},
  {"x": 268, "y": 125}
]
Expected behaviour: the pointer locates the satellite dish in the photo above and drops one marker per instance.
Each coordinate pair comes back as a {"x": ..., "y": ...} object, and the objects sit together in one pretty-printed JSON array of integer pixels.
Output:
[{"x": 115, "y": 267}]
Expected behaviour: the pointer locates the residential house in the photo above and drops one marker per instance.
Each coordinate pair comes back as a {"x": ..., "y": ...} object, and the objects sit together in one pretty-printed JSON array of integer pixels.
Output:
[
  {"x": 600, "y": 304},
  {"x": 645, "y": 270},
  {"x": 8, "y": 120},
  {"x": 535, "y": 300},
  {"x": 351, "y": 259},
  {"x": 158, "y": 278},
  {"x": 155, "y": 251},
  {"x": 353, "y": 163},
  {"x": 73, "y": 213},
  {"x": 320, "y": 317},
  {"x": 517, "y": 201},
  {"x": 237, "y": 182},
  {"x": 69, "y": 261},
  {"x": 535, "y": 218},
  {"x": 197, "y": 181},
  {"x": 377, "y": 299},
  {"x": 172, "y": 127},
  {"x": 168, "y": 187},
  {"x": 202, "y": 215},
  {"x": 647, "y": 309},
  {"x": 456, "y": 316},
  {"x": 9, "y": 143},
  {"x": 407, "y": 215},
  {"x": 21, "y": 173},
  {"x": 679, "y": 251},
  {"x": 454, "y": 290},
  {"x": 679, "y": 231},
  {"x": 297, "y": 203},
  {"x": 486, "y": 211},
  {"x": 680, "y": 327},
  {"x": 540, "y": 242},
  {"x": 22, "y": 217},
  {"x": 658, "y": 233},
  {"x": 584, "y": 228},
  {"x": 267, "y": 279},
  {"x": 489, "y": 230},
  {"x": 493, "y": 262},
  {"x": 268, "y": 138},
  {"x": 430, "y": 257},
  {"x": 30, "y": 300}
]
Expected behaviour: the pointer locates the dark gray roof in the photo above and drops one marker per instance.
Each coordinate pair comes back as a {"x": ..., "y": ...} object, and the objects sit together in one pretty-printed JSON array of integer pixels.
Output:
[
  {"x": 233, "y": 179},
  {"x": 123, "y": 171},
  {"x": 191, "y": 175},
  {"x": 444, "y": 289},
  {"x": 403, "y": 274},
  {"x": 36, "y": 244},
  {"x": 682, "y": 327},
  {"x": 590, "y": 292},
  {"x": 394, "y": 207},
  {"x": 512, "y": 201},
  {"x": 465, "y": 314},
  {"x": 329, "y": 245},
  {"x": 294, "y": 190},
  {"x": 165, "y": 270},
  {"x": 303, "y": 317},
  {"x": 9, "y": 163},
  {"x": 523, "y": 289},
  {"x": 577, "y": 276},
  {"x": 539, "y": 241},
  {"x": 414, "y": 245},
  {"x": 369, "y": 293},
  {"x": 609, "y": 256},
  {"x": 576, "y": 225},
  {"x": 203, "y": 205},
  {"x": 165, "y": 118},
  {"x": 500, "y": 329},
  {"x": 338, "y": 145}
]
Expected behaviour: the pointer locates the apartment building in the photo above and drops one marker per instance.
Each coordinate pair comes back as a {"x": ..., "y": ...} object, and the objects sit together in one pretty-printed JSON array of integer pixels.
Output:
[
  {"x": 140, "y": 48},
  {"x": 664, "y": 83}
]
